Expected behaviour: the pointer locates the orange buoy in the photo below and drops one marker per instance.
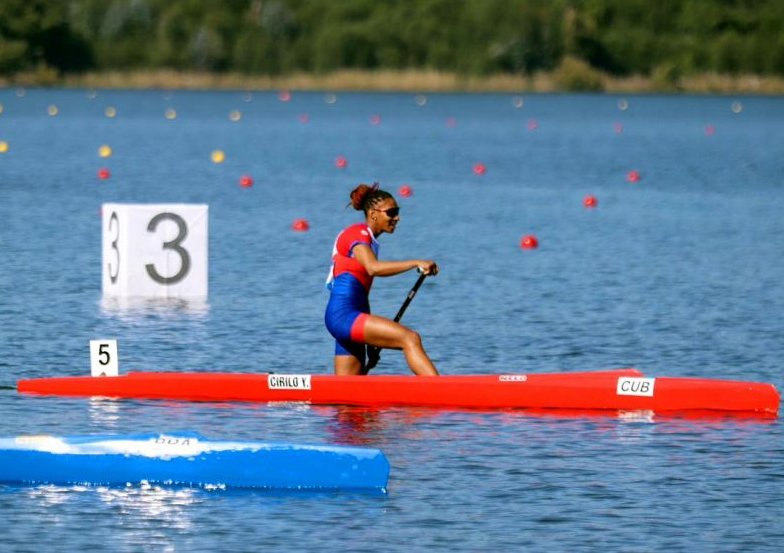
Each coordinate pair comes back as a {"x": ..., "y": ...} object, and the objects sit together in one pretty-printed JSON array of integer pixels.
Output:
[
  {"x": 103, "y": 173},
  {"x": 246, "y": 181},
  {"x": 341, "y": 162},
  {"x": 406, "y": 191},
  {"x": 590, "y": 201},
  {"x": 529, "y": 242},
  {"x": 633, "y": 176},
  {"x": 300, "y": 225},
  {"x": 480, "y": 168}
]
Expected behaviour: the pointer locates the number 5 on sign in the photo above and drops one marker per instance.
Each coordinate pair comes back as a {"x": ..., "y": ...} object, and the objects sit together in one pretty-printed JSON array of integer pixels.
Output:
[
  {"x": 103, "y": 358},
  {"x": 155, "y": 250}
]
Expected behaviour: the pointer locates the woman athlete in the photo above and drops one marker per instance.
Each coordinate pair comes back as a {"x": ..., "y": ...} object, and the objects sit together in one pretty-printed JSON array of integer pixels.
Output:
[{"x": 354, "y": 264}]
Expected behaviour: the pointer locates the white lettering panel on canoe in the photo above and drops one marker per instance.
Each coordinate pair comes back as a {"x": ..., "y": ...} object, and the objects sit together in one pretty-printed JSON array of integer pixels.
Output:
[
  {"x": 635, "y": 386},
  {"x": 155, "y": 250},
  {"x": 288, "y": 381}
]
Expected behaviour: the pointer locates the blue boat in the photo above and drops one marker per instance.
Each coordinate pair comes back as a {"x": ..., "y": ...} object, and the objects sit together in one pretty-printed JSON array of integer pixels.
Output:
[{"x": 188, "y": 459}]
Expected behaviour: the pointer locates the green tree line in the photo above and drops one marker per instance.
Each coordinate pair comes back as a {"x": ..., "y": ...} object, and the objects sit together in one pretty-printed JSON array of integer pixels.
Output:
[{"x": 669, "y": 38}]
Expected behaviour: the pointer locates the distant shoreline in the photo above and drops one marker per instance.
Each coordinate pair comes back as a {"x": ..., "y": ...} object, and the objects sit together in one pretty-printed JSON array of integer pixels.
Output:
[{"x": 399, "y": 81}]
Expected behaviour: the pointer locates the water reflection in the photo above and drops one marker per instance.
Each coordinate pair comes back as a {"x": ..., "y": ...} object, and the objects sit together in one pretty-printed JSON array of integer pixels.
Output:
[
  {"x": 355, "y": 425},
  {"x": 104, "y": 412},
  {"x": 154, "y": 503},
  {"x": 134, "y": 308}
]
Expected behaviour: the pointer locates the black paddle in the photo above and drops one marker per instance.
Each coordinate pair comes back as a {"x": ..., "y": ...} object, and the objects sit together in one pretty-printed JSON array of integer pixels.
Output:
[{"x": 374, "y": 352}]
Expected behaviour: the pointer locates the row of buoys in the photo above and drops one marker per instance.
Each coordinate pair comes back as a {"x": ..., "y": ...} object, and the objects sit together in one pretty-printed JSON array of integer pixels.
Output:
[
  {"x": 375, "y": 119},
  {"x": 330, "y": 98},
  {"x": 236, "y": 116}
]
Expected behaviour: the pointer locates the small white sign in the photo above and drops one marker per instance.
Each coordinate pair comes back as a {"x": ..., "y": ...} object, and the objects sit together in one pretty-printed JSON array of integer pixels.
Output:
[
  {"x": 288, "y": 381},
  {"x": 103, "y": 358},
  {"x": 512, "y": 378},
  {"x": 635, "y": 386}
]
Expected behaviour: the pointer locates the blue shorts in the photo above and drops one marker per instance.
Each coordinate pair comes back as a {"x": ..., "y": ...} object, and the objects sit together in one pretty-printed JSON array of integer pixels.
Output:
[{"x": 346, "y": 314}]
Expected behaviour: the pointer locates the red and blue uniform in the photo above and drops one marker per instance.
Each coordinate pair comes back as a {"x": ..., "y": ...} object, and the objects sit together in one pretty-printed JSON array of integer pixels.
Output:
[{"x": 349, "y": 284}]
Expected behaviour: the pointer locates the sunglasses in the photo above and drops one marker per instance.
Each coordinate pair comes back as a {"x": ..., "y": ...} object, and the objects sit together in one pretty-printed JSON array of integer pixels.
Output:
[{"x": 391, "y": 212}]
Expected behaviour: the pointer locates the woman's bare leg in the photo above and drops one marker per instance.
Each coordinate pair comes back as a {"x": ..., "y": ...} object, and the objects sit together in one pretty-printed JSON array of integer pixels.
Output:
[
  {"x": 347, "y": 365},
  {"x": 385, "y": 333}
]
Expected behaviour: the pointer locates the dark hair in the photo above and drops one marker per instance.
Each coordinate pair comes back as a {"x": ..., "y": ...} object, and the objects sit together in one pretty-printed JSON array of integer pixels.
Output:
[{"x": 364, "y": 196}]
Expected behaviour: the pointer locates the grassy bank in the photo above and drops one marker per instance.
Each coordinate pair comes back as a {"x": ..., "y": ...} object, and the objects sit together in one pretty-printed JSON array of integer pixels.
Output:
[{"x": 567, "y": 78}]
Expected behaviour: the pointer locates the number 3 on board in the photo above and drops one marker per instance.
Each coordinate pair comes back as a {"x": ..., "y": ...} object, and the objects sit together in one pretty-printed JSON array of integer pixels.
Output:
[
  {"x": 155, "y": 250},
  {"x": 103, "y": 358}
]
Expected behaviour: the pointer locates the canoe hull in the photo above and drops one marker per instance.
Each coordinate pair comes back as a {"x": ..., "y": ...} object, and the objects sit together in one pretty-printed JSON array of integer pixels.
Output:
[
  {"x": 189, "y": 460},
  {"x": 622, "y": 389}
]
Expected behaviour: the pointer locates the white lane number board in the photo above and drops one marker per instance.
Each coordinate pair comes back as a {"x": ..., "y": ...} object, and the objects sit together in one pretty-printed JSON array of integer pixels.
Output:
[
  {"x": 103, "y": 358},
  {"x": 155, "y": 250}
]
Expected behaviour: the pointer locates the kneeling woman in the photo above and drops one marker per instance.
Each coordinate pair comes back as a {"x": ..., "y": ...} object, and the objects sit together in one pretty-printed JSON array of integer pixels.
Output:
[{"x": 354, "y": 264}]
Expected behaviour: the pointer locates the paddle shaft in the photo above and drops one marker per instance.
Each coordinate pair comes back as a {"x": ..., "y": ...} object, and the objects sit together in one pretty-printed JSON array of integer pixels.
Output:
[{"x": 374, "y": 352}]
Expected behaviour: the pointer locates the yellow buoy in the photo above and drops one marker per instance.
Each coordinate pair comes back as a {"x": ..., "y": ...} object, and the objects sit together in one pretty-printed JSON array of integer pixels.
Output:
[
  {"x": 235, "y": 115},
  {"x": 105, "y": 151},
  {"x": 1, "y": 108},
  {"x": 170, "y": 114},
  {"x": 3, "y": 146},
  {"x": 110, "y": 111},
  {"x": 52, "y": 110},
  {"x": 218, "y": 156}
]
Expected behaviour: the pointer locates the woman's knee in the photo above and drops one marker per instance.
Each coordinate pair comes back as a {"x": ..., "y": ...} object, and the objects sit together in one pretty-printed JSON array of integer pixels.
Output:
[{"x": 412, "y": 339}]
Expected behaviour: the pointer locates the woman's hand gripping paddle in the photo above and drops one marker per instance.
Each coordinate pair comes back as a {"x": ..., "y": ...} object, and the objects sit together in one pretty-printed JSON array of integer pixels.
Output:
[{"x": 374, "y": 352}]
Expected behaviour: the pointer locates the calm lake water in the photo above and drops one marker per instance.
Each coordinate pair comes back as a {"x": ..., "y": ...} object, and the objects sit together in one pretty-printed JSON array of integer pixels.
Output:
[{"x": 678, "y": 274}]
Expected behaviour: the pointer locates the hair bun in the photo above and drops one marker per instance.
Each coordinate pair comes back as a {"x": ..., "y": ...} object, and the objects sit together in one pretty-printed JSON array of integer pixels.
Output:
[{"x": 358, "y": 195}]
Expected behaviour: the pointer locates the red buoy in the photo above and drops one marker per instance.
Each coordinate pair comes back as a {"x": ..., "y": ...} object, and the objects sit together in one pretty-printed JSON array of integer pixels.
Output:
[
  {"x": 300, "y": 225},
  {"x": 375, "y": 120},
  {"x": 103, "y": 173},
  {"x": 633, "y": 176},
  {"x": 284, "y": 95},
  {"x": 341, "y": 162},
  {"x": 451, "y": 122},
  {"x": 406, "y": 191},
  {"x": 533, "y": 124},
  {"x": 246, "y": 181},
  {"x": 480, "y": 169},
  {"x": 590, "y": 201},
  {"x": 529, "y": 242},
  {"x": 710, "y": 130},
  {"x": 303, "y": 118},
  {"x": 618, "y": 128}
]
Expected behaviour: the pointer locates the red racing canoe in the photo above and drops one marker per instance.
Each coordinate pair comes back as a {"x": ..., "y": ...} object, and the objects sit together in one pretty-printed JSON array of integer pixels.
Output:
[{"x": 622, "y": 389}]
